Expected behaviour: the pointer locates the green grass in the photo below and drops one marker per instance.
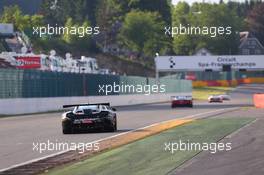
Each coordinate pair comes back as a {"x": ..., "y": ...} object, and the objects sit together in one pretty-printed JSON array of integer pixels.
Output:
[
  {"x": 147, "y": 156},
  {"x": 202, "y": 93}
]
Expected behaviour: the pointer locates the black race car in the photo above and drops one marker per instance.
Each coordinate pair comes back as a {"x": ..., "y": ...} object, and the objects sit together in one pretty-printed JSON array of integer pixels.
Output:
[{"x": 99, "y": 116}]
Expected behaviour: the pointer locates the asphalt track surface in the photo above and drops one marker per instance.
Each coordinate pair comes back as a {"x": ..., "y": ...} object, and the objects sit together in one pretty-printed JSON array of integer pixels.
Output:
[{"x": 17, "y": 134}]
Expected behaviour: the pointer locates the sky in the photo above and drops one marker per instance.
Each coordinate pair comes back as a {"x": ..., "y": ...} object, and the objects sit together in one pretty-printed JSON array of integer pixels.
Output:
[{"x": 192, "y": 1}]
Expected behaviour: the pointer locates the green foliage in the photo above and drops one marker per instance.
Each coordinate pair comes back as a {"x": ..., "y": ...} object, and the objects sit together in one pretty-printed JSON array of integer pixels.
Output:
[
  {"x": 163, "y": 7},
  {"x": 44, "y": 45},
  {"x": 206, "y": 15},
  {"x": 82, "y": 40},
  {"x": 143, "y": 32},
  {"x": 21, "y": 22},
  {"x": 255, "y": 21},
  {"x": 109, "y": 15},
  {"x": 68, "y": 38},
  {"x": 78, "y": 10}
]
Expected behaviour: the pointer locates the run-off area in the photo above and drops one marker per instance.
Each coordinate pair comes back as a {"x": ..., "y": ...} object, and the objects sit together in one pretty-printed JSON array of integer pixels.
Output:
[{"x": 150, "y": 156}]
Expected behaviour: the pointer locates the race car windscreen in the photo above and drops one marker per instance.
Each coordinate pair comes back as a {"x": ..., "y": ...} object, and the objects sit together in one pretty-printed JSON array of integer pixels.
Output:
[{"x": 86, "y": 109}]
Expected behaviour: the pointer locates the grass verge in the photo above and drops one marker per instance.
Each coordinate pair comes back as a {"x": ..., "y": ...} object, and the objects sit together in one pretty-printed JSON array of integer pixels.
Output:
[
  {"x": 202, "y": 93},
  {"x": 147, "y": 156}
]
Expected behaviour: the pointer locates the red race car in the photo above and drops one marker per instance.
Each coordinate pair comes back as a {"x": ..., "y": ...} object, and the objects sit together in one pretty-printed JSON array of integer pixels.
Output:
[{"x": 177, "y": 101}]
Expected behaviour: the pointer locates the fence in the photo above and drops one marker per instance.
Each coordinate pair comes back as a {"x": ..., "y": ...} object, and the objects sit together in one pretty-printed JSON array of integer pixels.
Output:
[{"x": 16, "y": 83}]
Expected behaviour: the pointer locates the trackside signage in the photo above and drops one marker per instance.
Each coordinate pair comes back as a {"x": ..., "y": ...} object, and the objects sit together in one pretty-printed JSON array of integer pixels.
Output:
[
  {"x": 28, "y": 62},
  {"x": 201, "y": 63}
]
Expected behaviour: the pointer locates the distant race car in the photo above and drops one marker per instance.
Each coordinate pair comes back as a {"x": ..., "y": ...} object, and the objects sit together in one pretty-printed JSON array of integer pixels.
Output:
[
  {"x": 215, "y": 98},
  {"x": 225, "y": 97},
  {"x": 177, "y": 101},
  {"x": 100, "y": 116}
]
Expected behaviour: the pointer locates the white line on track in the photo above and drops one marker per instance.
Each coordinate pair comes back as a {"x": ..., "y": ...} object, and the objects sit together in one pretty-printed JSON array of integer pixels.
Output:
[{"x": 106, "y": 138}]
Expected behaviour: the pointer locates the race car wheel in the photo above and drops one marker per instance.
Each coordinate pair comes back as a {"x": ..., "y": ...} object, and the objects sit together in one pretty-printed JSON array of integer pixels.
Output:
[
  {"x": 112, "y": 128},
  {"x": 66, "y": 130},
  {"x": 115, "y": 126},
  {"x": 191, "y": 105}
]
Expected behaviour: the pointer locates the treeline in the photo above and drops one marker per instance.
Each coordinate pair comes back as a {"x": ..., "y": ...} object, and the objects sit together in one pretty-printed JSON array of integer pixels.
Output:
[
  {"x": 137, "y": 26},
  {"x": 239, "y": 16}
]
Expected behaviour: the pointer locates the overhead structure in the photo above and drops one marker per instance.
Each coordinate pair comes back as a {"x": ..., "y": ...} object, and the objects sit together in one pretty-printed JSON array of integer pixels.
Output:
[{"x": 209, "y": 63}]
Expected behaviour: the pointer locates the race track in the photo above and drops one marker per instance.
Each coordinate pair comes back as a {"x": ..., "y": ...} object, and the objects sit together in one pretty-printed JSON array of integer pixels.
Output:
[{"x": 18, "y": 133}]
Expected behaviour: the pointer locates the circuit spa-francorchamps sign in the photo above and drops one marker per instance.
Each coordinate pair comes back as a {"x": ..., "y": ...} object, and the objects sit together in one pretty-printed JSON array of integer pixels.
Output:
[{"x": 216, "y": 63}]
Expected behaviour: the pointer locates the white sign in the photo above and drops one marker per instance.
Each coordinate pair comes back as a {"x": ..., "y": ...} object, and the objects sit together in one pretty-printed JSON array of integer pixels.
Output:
[
  {"x": 6, "y": 29},
  {"x": 201, "y": 63}
]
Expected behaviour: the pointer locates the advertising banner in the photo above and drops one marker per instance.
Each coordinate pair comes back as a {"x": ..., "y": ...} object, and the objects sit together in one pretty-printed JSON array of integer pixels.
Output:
[{"x": 28, "y": 62}]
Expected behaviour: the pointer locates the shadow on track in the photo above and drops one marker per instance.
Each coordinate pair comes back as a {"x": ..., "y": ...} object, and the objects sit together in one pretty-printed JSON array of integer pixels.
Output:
[{"x": 83, "y": 131}]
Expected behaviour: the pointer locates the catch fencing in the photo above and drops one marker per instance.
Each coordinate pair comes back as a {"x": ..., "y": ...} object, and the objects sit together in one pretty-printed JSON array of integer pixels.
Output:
[{"x": 15, "y": 83}]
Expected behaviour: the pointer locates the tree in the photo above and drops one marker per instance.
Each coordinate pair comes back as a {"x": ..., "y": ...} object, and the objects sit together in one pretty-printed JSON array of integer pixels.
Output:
[
  {"x": 242, "y": 9},
  {"x": 13, "y": 14},
  {"x": 78, "y": 10},
  {"x": 90, "y": 10},
  {"x": 54, "y": 13},
  {"x": 180, "y": 15},
  {"x": 108, "y": 14},
  {"x": 68, "y": 38},
  {"x": 255, "y": 21},
  {"x": 206, "y": 15},
  {"x": 81, "y": 41},
  {"x": 111, "y": 15},
  {"x": 163, "y": 7},
  {"x": 142, "y": 32}
]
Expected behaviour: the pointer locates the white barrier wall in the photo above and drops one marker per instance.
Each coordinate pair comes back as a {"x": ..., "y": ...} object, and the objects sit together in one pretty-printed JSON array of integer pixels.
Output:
[{"x": 35, "y": 105}]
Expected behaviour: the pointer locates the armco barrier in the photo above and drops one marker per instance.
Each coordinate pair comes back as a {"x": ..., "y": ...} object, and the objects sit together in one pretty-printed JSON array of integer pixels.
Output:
[
  {"x": 258, "y": 100},
  {"x": 13, "y": 106}
]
